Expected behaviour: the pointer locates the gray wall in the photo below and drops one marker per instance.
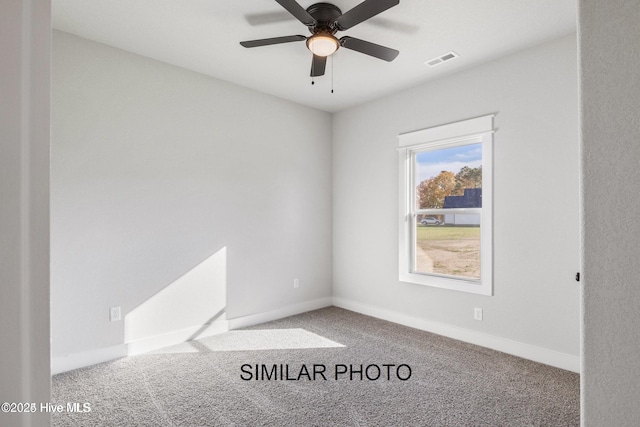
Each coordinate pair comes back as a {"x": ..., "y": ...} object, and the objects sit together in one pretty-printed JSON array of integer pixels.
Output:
[
  {"x": 536, "y": 198},
  {"x": 609, "y": 34},
  {"x": 155, "y": 169},
  {"x": 25, "y": 35}
]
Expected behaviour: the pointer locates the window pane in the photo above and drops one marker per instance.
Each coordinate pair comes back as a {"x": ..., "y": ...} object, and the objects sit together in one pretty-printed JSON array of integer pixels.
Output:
[
  {"x": 449, "y": 177},
  {"x": 450, "y": 247}
]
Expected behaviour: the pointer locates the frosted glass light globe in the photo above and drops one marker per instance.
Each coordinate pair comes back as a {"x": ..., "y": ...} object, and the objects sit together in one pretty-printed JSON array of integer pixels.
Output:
[{"x": 322, "y": 44}]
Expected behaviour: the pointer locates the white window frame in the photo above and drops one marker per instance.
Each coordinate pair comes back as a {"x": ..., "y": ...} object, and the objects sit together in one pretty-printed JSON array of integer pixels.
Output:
[{"x": 477, "y": 130}]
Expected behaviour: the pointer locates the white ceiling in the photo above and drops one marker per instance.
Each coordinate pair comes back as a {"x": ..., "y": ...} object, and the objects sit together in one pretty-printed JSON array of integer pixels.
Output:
[{"x": 204, "y": 36}]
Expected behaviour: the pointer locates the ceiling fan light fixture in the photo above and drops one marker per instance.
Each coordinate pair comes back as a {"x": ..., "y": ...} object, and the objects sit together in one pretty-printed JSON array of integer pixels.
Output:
[
  {"x": 322, "y": 44},
  {"x": 323, "y": 20}
]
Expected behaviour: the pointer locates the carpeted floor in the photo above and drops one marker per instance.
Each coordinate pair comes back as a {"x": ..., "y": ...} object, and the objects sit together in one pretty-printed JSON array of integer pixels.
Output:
[{"x": 204, "y": 383}]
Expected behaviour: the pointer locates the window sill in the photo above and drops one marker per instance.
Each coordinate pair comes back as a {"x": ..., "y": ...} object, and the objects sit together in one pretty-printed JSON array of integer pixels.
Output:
[{"x": 443, "y": 282}]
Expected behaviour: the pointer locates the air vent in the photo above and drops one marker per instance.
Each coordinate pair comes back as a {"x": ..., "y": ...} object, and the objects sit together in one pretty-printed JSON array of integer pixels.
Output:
[{"x": 442, "y": 58}]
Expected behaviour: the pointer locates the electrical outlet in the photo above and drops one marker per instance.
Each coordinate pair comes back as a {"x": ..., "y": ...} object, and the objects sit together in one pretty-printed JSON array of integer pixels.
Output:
[
  {"x": 115, "y": 314},
  {"x": 296, "y": 283},
  {"x": 477, "y": 313}
]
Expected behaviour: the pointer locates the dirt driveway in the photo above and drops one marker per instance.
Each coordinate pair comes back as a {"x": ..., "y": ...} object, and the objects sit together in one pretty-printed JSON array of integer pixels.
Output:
[{"x": 455, "y": 257}]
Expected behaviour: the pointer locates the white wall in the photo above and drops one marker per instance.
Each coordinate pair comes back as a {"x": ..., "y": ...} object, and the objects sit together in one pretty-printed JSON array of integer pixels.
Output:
[
  {"x": 154, "y": 170},
  {"x": 610, "y": 125},
  {"x": 25, "y": 35},
  {"x": 536, "y": 208}
]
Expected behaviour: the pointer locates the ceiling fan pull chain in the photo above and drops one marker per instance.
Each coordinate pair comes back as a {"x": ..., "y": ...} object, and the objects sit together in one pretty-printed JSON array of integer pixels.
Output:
[{"x": 332, "y": 59}]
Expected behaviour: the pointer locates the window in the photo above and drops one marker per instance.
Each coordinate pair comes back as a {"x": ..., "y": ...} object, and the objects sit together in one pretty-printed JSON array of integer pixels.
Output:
[{"x": 446, "y": 206}]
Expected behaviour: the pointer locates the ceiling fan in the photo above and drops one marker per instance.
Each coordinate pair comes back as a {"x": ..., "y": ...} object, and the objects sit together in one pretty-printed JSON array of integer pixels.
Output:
[{"x": 324, "y": 20}]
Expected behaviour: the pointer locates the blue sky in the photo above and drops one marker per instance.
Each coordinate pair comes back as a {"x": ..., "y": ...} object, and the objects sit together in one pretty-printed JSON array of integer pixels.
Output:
[{"x": 431, "y": 163}]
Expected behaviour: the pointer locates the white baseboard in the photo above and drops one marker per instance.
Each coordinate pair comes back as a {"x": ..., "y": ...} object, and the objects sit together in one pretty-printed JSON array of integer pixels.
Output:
[
  {"x": 93, "y": 357},
  {"x": 527, "y": 351},
  {"x": 83, "y": 359},
  {"x": 291, "y": 310},
  {"x": 156, "y": 342},
  {"x": 515, "y": 348}
]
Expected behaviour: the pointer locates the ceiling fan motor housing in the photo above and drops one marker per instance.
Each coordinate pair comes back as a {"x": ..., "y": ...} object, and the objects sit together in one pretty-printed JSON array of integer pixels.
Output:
[{"x": 325, "y": 14}]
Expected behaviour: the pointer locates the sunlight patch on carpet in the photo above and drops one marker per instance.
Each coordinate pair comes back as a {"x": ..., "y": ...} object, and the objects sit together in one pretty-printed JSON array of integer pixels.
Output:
[{"x": 262, "y": 339}]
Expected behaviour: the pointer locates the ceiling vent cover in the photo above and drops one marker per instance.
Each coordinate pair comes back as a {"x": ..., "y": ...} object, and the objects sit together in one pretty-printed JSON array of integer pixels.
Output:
[{"x": 442, "y": 58}]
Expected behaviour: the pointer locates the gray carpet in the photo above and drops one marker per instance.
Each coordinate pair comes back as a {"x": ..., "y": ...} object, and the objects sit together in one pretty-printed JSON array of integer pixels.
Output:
[{"x": 199, "y": 383}]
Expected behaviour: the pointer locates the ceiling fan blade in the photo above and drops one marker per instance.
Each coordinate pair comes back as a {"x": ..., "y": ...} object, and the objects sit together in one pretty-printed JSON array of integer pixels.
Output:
[
  {"x": 273, "y": 40},
  {"x": 298, "y": 11},
  {"x": 364, "y": 11},
  {"x": 368, "y": 48},
  {"x": 318, "y": 64}
]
